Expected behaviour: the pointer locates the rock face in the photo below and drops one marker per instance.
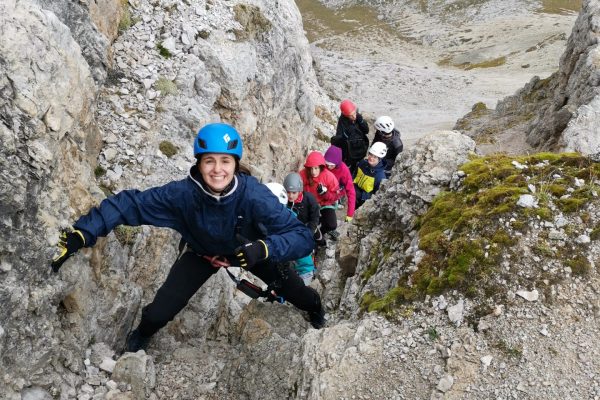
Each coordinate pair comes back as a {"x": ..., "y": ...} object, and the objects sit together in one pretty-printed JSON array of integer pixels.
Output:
[
  {"x": 383, "y": 234},
  {"x": 83, "y": 115},
  {"x": 555, "y": 113}
]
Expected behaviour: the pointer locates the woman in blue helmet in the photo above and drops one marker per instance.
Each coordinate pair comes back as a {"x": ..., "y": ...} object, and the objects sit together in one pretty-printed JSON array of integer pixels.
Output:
[{"x": 219, "y": 211}]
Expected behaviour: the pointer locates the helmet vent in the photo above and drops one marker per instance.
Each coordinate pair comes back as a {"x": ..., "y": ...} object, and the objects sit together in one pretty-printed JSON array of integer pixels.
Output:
[
  {"x": 232, "y": 144},
  {"x": 202, "y": 143}
]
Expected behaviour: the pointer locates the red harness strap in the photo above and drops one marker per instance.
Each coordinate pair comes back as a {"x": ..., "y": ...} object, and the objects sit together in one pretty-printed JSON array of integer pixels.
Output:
[{"x": 218, "y": 261}]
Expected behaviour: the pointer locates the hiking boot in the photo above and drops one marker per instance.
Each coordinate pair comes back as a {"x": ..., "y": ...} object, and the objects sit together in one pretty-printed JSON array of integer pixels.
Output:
[
  {"x": 317, "y": 318},
  {"x": 333, "y": 235},
  {"x": 136, "y": 342}
]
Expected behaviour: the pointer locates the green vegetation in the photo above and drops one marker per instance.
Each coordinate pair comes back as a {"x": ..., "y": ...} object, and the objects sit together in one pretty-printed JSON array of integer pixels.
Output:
[
  {"x": 99, "y": 171},
  {"x": 463, "y": 239},
  {"x": 165, "y": 86},
  {"x": 433, "y": 333},
  {"x": 511, "y": 351},
  {"x": 167, "y": 148},
  {"x": 126, "y": 234},
  {"x": 125, "y": 22},
  {"x": 496, "y": 62},
  {"x": 579, "y": 265},
  {"x": 163, "y": 51}
]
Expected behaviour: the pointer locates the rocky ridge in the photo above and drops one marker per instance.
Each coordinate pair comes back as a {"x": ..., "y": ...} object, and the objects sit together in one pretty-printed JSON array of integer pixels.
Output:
[{"x": 555, "y": 113}]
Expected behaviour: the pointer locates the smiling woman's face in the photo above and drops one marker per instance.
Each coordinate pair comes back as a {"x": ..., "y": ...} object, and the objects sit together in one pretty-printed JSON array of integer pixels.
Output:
[{"x": 217, "y": 170}]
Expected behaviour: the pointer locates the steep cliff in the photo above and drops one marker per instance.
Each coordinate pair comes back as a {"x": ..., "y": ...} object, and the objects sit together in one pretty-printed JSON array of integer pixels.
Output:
[{"x": 93, "y": 94}]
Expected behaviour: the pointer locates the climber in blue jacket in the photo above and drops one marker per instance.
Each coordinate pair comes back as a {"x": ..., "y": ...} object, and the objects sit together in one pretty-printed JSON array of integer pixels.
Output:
[{"x": 221, "y": 213}]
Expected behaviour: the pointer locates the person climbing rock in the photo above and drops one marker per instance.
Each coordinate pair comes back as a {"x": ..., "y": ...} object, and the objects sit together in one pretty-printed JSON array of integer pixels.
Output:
[
  {"x": 321, "y": 182},
  {"x": 351, "y": 135},
  {"x": 370, "y": 173},
  {"x": 220, "y": 211},
  {"x": 304, "y": 266},
  {"x": 303, "y": 204},
  {"x": 333, "y": 160},
  {"x": 386, "y": 133}
]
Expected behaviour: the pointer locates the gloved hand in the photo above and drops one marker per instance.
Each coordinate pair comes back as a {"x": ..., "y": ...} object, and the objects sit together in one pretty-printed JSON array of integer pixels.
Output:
[
  {"x": 321, "y": 189},
  {"x": 68, "y": 244},
  {"x": 348, "y": 219},
  {"x": 250, "y": 253}
]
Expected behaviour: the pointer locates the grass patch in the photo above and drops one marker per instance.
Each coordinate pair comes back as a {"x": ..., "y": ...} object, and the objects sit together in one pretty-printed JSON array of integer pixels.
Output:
[
  {"x": 496, "y": 62},
  {"x": 167, "y": 148},
  {"x": 509, "y": 350},
  {"x": 99, "y": 171},
  {"x": 163, "y": 51},
  {"x": 433, "y": 333},
  {"x": 126, "y": 234},
  {"x": 126, "y": 21},
  {"x": 165, "y": 86},
  {"x": 579, "y": 265}
]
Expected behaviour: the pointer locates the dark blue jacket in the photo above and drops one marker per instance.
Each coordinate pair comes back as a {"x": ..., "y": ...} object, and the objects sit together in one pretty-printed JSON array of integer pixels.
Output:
[{"x": 206, "y": 222}]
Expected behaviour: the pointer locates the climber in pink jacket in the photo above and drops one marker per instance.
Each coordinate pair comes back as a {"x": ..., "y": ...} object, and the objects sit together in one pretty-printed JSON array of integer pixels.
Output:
[
  {"x": 333, "y": 160},
  {"x": 321, "y": 182}
]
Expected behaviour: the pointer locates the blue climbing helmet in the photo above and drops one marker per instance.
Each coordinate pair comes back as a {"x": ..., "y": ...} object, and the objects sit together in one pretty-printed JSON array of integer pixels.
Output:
[{"x": 218, "y": 138}]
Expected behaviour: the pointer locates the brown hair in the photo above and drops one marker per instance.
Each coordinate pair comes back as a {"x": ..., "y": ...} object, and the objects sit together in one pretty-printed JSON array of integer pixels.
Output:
[{"x": 309, "y": 175}]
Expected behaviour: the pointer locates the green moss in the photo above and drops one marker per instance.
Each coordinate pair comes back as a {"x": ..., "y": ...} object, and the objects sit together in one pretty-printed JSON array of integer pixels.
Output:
[
  {"x": 203, "y": 34},
  {"x": 125, "y": 22},
  {"x": 479, "y": 107},
  {"x": 167, "y": 148},
  {"x": 163, "y": 51},
  {"x": 495, "y": 62},
  {"x": 463, "y": 240},
  {"x": 542, "y": 249},
  {"x": 556, "y": 189},
  {"x": 378, "y": 256},
  {"x": 166, "y": 87},
  {"x": 126, "y": 234},
  {"x": 501, "y": 237},
  {"x": 366, "y": 301},
  {"x": 595, "y": 234},
  {"x": 544, "y": 213},
  {"x": 514, "y": 351},
  {"x": 99, "y": 171},
  {"x": 570, "y": 204},
  {"x": 579, "y": 265}
]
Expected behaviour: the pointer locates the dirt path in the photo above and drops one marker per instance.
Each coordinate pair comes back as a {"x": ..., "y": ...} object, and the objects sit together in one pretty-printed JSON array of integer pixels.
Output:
[{"x": 426, "y": 67}]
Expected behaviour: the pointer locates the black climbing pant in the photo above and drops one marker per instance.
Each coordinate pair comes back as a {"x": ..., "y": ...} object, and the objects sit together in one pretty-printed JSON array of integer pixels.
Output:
[
  {"x": 328, "y": 220},
  {"x": 191, "y": 271}
]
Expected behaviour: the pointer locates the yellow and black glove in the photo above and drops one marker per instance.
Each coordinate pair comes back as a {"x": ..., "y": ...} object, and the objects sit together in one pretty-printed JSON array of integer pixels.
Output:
[
  {"x": 251, "y": 253},
  {"x": 348, "y": 219},
  {"x": 68, "y": 244}
]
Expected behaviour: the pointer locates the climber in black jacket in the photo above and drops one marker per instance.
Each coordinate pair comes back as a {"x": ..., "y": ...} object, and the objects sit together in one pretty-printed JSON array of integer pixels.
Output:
[
  {"x": 351, "y": 135},
  {"x": 386, "y": 133}
]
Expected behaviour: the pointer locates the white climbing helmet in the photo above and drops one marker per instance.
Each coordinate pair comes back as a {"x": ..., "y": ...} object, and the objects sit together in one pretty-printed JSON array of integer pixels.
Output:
[
  {"x": 378, "y": 149},
  {"x": 384, "y": 124},
  {"x": 279, "y": 191}
]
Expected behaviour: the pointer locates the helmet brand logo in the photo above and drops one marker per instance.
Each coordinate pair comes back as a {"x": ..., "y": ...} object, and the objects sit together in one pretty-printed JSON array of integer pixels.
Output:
[{"x": 226, "y": 138}]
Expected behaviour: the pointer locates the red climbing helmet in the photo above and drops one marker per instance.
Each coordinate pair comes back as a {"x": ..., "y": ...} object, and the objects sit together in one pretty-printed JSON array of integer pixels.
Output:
[{"x": 347, "y": 107}]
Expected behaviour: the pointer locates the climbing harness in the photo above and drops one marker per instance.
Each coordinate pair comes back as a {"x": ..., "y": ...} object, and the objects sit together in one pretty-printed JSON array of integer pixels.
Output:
[{"x": 243, "y": 285}]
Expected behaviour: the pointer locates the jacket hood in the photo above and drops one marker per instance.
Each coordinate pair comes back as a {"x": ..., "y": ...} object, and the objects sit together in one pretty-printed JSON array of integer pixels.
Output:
[
  {"x": 314, "y": 159},
  {"x": 333, "y": 155}
]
